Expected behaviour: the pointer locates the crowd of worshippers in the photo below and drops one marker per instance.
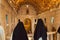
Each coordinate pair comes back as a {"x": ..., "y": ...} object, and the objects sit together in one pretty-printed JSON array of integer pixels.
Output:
[{"x": 20, "y": 33}]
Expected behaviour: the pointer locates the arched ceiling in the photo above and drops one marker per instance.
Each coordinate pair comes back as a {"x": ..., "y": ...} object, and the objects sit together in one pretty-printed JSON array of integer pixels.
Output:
[{"x": 40, "y": 5}]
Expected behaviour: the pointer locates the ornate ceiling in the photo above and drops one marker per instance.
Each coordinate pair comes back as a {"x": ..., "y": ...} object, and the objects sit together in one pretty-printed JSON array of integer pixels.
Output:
[{"x": 40, "y": 5}]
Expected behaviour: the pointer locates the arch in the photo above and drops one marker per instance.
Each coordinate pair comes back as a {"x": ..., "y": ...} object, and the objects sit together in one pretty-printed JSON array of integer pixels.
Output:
[
  {"x": 2, "y": 33},
  {"x": 34, "y": 5},
  {"x": 27, "y": 25},
  {"x": 27, "y": 9}
]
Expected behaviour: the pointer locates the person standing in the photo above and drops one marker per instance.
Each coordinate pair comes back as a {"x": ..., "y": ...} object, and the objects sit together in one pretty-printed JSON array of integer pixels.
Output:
[
  {"x": 40, "y": 31},
  {"x": 19, "y": 32}
]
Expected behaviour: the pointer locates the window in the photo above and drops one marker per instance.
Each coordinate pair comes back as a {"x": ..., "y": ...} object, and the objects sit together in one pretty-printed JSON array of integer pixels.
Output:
[
  {"x": 6, "y": 19},
  {"x": 52, "y": 20}
]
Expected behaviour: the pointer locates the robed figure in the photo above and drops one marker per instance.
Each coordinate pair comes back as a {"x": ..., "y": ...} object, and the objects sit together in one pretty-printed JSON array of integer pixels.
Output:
[
  {"x": 19, "y": 32},
  {"x": 58, "y": 30},
  {"x": 40, "y": 31}
]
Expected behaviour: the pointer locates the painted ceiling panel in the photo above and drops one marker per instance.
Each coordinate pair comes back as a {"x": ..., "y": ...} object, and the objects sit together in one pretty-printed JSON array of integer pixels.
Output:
[{"x": 40, "y": 4}]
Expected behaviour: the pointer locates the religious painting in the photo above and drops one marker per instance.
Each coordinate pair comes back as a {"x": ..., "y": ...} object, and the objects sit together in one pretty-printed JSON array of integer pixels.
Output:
[{"x": 27, "y": 25}]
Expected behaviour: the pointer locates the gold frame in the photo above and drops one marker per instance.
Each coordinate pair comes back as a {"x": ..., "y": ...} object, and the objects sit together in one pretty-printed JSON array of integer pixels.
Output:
[{"x": 27, "y": 25}]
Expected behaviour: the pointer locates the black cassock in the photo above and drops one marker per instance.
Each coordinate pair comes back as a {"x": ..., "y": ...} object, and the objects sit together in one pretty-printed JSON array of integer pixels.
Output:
[
  {"x": 40, "y": 31},
  {"x": 58, "y": 30},
  {"x": 19, "y": 32}
]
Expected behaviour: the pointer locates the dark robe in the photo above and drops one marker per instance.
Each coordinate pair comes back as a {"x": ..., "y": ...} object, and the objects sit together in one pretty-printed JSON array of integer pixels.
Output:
[
  {"x": 19, "y": 32},
  {"x": 59, "y": 30},
  {"x": 40, "y": 31}
]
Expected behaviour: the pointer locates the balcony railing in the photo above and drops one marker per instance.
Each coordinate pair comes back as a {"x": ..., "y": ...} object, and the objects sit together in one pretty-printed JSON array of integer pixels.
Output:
[{"x": 50, "y": 36}]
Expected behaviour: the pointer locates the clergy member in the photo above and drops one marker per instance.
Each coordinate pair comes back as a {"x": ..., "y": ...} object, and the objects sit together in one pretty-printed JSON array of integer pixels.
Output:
[
  {"x": 19, "y": 32},
  {"x": 58, "y": 30},
  {"x": 40, "y": 31}
]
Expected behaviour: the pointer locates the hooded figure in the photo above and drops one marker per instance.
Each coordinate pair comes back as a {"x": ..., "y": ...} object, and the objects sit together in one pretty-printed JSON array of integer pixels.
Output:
[
  {"x": 40, "y": 31},
  {"x": 58, "y": 30},
  {"x": 19, "y": 32}
]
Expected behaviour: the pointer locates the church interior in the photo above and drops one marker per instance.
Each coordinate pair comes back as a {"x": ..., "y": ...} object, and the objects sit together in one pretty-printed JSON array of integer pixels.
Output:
[{"x": 29, "y": 11}]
